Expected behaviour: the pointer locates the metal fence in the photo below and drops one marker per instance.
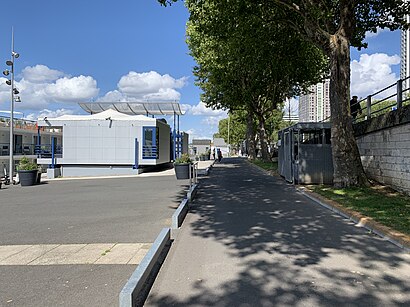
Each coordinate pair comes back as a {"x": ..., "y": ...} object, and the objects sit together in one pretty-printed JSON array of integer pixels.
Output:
[
  {"x": 392, "y": 97},
  {"x": 43, "y": 151}
]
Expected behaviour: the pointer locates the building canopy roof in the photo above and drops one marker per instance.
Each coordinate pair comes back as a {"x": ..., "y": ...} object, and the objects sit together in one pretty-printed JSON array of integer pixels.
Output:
[{"x": 134, "y": 108}]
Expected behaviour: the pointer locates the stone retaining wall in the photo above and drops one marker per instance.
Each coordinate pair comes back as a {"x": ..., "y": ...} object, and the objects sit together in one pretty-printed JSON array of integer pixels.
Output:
[{"x": 384, "y": 145}]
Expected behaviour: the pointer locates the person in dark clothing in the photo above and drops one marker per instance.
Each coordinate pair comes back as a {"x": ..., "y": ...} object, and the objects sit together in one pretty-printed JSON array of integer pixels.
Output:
[
  {"x": 219, "y": 152},
  {"x": 355, "y": 107}
]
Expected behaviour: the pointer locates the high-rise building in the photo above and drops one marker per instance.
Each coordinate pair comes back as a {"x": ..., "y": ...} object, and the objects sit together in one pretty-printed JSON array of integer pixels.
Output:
[
  {"x": 405, "y": 55},
  {"x": 315, "y": 105}
]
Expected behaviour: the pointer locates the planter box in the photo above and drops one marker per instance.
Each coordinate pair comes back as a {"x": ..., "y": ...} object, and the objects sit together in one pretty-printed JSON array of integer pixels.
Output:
[
  {"x": 28, "y": 178},
  {"x": 182, "y": 170}
]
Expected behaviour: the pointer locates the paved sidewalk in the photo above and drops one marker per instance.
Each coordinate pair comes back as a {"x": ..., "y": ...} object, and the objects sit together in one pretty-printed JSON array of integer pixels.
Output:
[{"x": 253, "y": 240}]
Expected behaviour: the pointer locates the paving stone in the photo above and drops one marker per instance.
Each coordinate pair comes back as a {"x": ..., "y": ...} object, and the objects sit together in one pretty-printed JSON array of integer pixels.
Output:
[
  {"x": 121, "y": 253},
  {"x": 58, "y": 255},
  {"x": 28, "y": 255},
  {"x": 9, "y": 250}
]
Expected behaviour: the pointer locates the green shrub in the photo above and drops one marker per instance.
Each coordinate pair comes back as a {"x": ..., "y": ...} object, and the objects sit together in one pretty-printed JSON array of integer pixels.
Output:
[
  {"x": 183, "y": 159},
  {"x": 26, "y": 165}
]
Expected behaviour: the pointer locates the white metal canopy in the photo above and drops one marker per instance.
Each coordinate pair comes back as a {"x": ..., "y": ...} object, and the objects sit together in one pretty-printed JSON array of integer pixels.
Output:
[{"x": 134, "y": 108}]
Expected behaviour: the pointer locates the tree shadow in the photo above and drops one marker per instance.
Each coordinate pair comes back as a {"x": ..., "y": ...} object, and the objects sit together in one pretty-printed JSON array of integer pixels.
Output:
[{"x": 291, "y": 251}]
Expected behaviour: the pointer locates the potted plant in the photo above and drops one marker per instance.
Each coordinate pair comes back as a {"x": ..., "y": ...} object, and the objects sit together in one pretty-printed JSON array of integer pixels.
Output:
[
  {"x": 202, "y": 157},
  {"x": 28, "y": 172},
  {"x": 181, "y": 166}
]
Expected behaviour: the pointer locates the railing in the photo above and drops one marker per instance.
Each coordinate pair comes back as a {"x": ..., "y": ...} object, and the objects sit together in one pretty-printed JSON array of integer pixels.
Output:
[
  {"x": 149, "y": 152},
  {"x": 26, "y": 124},
  {"x": 42, "y": 151},
  {"x": 46, "y": 151},
  {"x": 23, "y": 149},
  {"x": 371, "y": 107},
  {"x": 18, "y": 123}
]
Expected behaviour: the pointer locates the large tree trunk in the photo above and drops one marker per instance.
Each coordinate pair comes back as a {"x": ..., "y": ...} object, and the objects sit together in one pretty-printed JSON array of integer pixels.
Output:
[
  {"x": 250, "y": 135},
  {"x": 348, "y": 169},
  {"x": 263, "y": 138}
]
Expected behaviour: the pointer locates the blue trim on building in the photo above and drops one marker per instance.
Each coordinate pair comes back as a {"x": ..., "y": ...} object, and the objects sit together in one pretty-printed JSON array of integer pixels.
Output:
[
  {"x": 136, "y": 146},
  {"x": 149, "y": 151}
]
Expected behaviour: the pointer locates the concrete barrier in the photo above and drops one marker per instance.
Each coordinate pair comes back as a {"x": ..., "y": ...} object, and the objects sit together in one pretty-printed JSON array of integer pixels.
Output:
[
  {"x": 179, "y": 215},
  {"x": 192, "y": 192},
  {"x": 137, "y": 288}
]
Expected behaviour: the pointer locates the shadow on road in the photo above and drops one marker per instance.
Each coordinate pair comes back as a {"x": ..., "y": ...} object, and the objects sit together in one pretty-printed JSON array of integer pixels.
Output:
[{"x": 291, "y": 250}]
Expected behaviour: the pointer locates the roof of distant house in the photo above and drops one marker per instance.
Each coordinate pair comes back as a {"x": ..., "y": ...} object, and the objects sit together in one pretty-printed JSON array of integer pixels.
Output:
[
  {"x": 201, "y": 142},
  {"x": 219, "y": 142}
]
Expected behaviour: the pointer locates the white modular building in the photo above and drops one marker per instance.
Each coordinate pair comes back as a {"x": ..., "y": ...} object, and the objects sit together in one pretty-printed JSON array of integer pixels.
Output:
[{"x": 108, "y": 143}]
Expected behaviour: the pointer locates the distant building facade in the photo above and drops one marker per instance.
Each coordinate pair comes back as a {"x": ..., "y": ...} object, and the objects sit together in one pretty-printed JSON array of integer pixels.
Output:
[
  {"x": 315, "y": 105},
  {"x": 294, "y": 118},
  {"x": 405, "y": 55},
  {"x": 200, "y": 146}
]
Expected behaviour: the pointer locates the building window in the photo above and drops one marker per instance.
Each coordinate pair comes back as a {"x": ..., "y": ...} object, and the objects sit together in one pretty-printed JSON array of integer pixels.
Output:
[{"x": 150, "y": 145}]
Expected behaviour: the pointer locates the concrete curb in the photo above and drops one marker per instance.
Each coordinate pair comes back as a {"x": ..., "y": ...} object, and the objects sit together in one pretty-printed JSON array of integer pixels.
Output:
[
  {"x": 179, "y": 215},
  {"x": 208, "y": 169},
  {"x": 137, "y": 287},
  {"x": 192, "y": 192},
  {"x": 398, "y": 239}
]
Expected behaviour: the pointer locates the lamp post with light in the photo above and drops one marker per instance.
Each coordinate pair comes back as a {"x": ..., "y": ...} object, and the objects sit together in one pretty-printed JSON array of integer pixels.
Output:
[{"x": 14, "y": 91}]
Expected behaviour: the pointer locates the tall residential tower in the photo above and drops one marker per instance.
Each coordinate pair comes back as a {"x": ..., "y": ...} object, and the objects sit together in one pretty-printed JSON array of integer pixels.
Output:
[
  {"x": 405, "y": 55},
  {"x": 315, "y": 105}
]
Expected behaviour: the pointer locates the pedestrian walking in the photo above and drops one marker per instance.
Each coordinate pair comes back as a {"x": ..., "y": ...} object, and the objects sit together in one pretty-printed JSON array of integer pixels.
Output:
[
  {"x": 355, "y": 107},
  {"x": 219, "y": 152}
]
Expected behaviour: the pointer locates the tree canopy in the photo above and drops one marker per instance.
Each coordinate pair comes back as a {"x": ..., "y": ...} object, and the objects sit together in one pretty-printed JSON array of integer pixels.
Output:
[{"x": 254, "y": 53}]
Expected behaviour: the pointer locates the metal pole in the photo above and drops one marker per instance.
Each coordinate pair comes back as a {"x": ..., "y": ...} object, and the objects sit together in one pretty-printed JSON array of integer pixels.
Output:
[
  {"x": 38, "y": 148},
  {"x": 190, "y": 175},
  {"x": 399, "y": 94},
  {"x": 174, "y": 138},
  {"x": 11, "y": 167},
  {"x": 52, "y": 153},
  {"x": 178, "y": 138},
  {"x": 369, "y": 106},
  {"x": 229, "y": 143}
]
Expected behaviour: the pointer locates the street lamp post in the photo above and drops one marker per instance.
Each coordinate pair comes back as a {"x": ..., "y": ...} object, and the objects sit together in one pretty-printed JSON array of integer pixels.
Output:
[{"x": 14, "y": 91}]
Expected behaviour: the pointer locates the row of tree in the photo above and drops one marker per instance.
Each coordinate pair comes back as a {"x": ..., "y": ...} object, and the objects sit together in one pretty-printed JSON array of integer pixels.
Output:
[
  {"x": 252, "y": 54},
  {"x": 234, "y": 129}
]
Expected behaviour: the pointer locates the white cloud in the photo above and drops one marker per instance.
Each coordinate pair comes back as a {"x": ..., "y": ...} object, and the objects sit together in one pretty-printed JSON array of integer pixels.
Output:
[
  {"x": 208, "y": 119},
  {"x": 372, "y": 73},
  {"x": 41, "y": 74},
  {"x": 72, "y": 89},
  {"x": 293, "y": 105},
  {"x": 145, "y": 86},
  {"x": 211, "y": 117},
  {"x": 199, "y": 134},
  {"x": 374, "y": 34},
  {"x": 49, "y": 113},
  {"x": 40, "y": 86},
  {"x": 150, "y": 85},
  {"x": 203, "y": 110},
  {"x": 163, "y": 94},
  {"x": 185, "y": 107},
  {"x": 114, "y": 96},
  {"x": 213, "y": 121}
]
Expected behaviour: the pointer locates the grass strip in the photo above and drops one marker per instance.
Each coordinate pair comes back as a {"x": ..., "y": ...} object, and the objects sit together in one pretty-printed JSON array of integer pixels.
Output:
[
  {"x": 382, "y": 204},
  {"x": 269, "y": 166}
]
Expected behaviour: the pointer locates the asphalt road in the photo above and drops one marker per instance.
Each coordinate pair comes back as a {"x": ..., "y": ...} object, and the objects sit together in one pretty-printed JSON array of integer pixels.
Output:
[
  {"x": 122, "y": 210},
  {"x": 116, "y": 210},
  {"x": 253, "y": 240}
]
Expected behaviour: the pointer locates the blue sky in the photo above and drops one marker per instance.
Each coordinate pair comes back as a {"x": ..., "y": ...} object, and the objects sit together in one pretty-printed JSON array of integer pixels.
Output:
[{"x": 74, "y": 51}]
